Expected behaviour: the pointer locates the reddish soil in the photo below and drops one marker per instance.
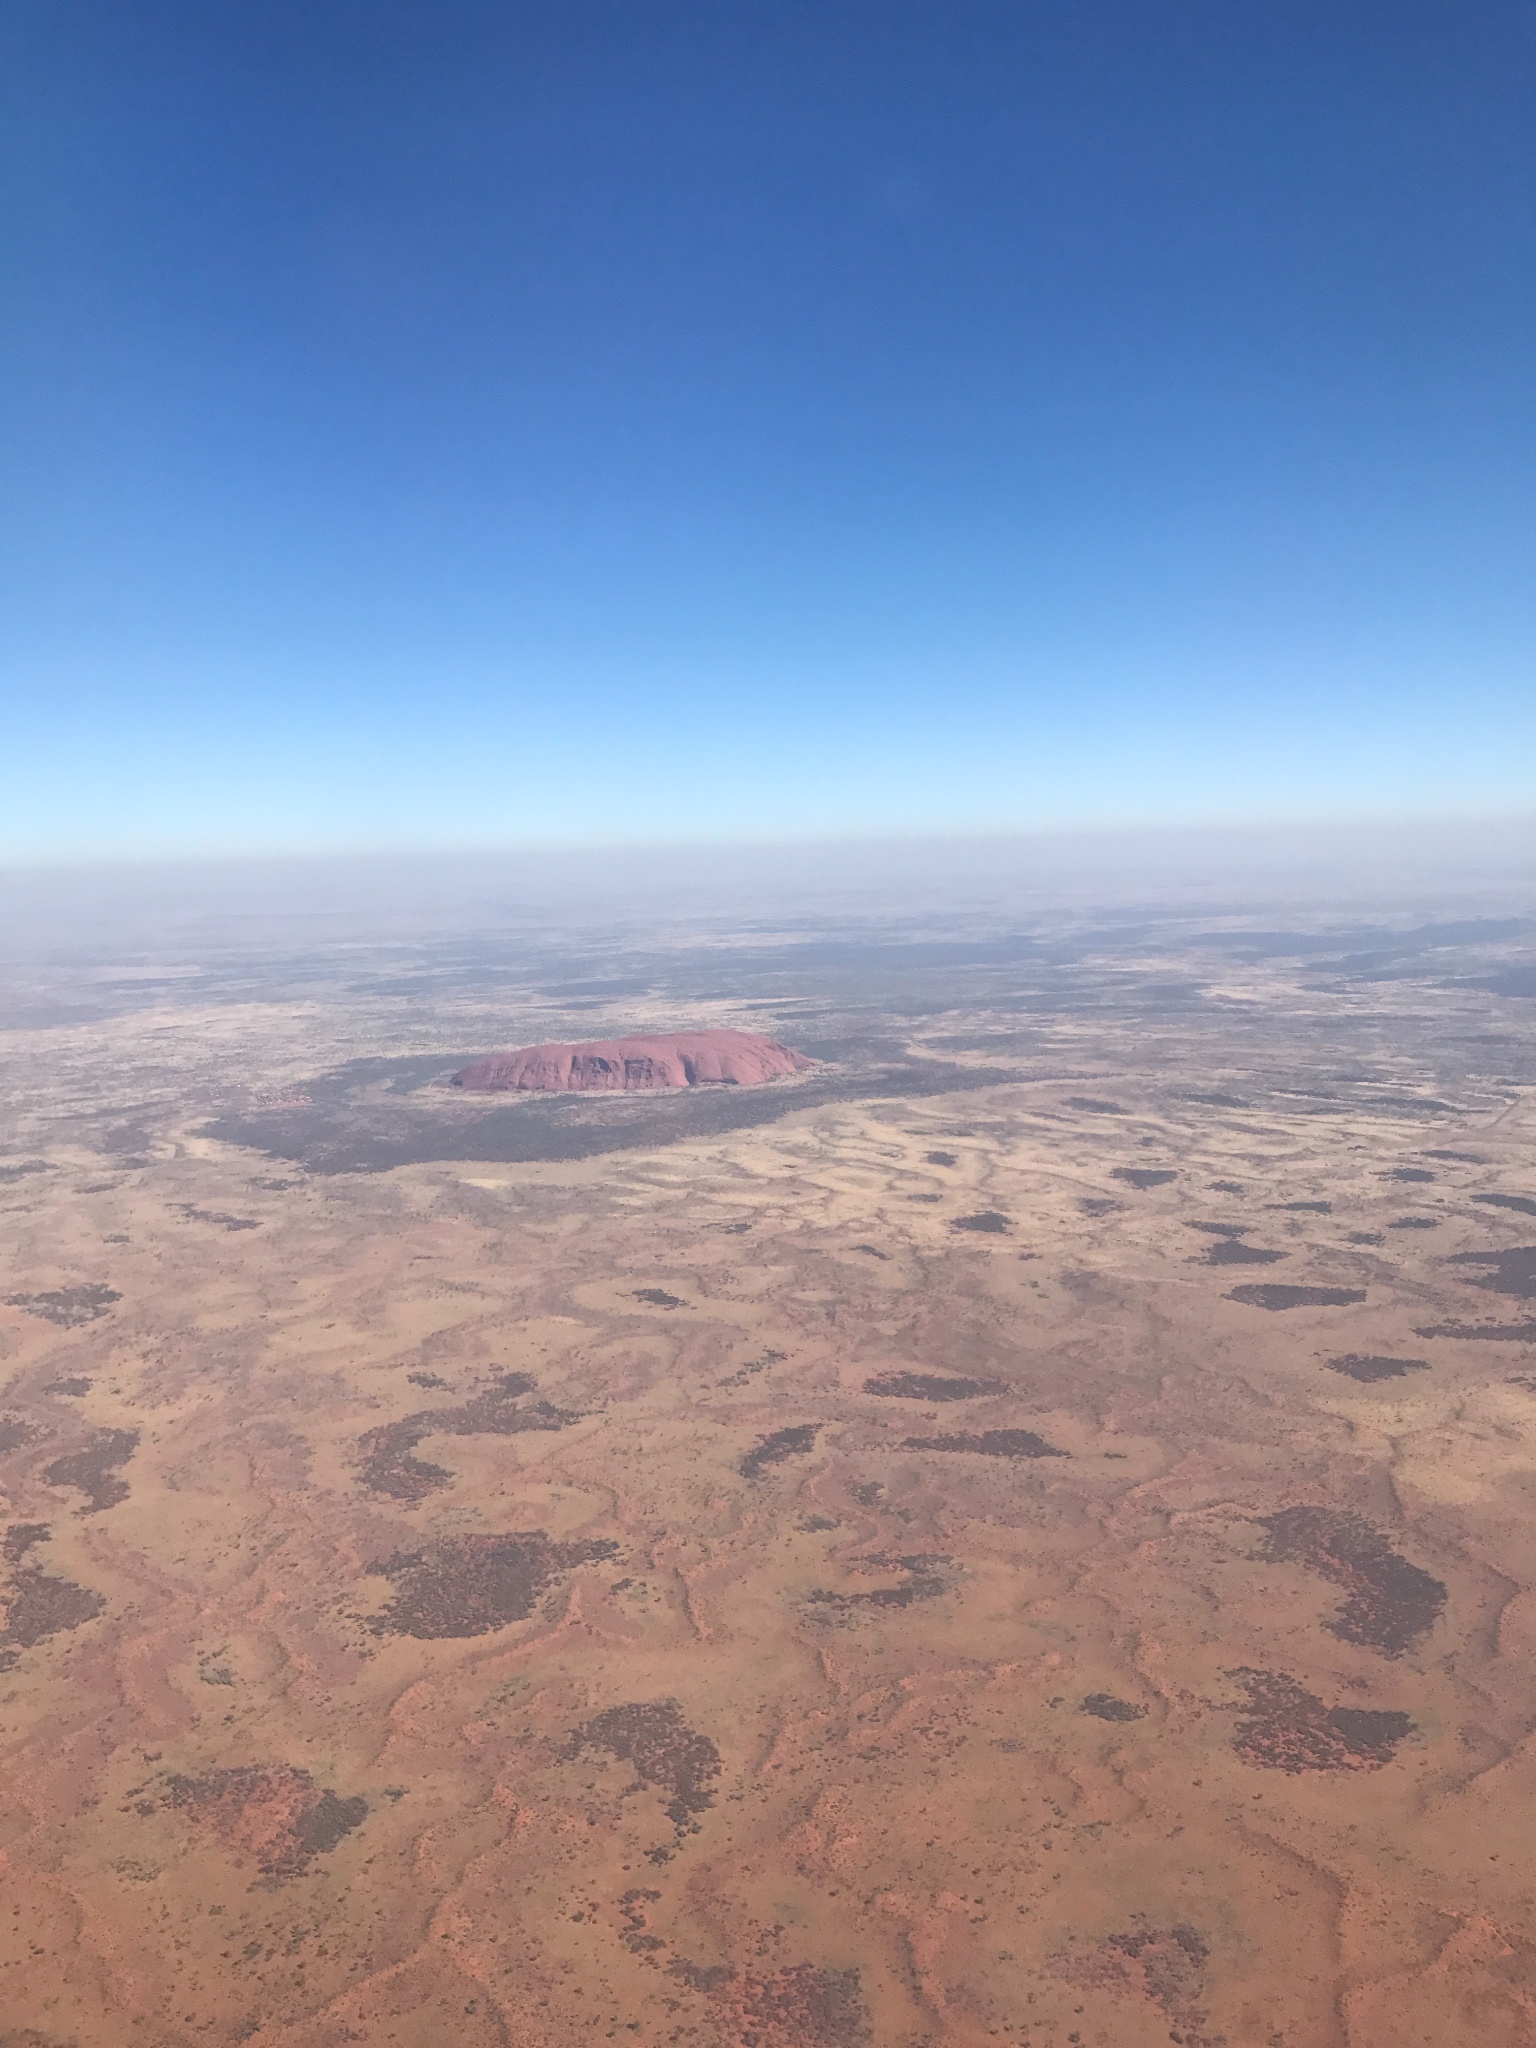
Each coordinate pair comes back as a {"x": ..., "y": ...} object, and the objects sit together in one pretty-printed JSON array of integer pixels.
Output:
[{"x": 673, "y": 1059}]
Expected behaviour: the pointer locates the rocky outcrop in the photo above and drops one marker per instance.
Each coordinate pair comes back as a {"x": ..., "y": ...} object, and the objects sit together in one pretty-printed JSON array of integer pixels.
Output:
[{"x": 672, "y": 1059}]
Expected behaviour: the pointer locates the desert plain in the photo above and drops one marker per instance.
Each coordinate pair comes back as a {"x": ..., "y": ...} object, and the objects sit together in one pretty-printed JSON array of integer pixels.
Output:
[{"x": 1023, "y": 1531}]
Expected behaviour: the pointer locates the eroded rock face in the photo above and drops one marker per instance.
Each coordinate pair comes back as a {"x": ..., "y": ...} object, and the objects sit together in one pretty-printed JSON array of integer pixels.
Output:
[{"x": 672, "y": 1059}]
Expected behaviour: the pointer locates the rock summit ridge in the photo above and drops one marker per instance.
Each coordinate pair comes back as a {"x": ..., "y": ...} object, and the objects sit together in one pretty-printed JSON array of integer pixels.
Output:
[{"x": 667, "y": 1059}]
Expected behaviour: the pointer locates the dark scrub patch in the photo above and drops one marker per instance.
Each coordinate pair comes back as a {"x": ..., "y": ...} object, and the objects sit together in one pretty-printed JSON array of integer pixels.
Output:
[
  {"x": 940, "y": 1159},
  {"x": 14, "y": 1433},
  {"x": 872, "y": 1251},
  {"x": 220, "y": 1217},
  {"x": 1306, "y": 1208},
  {"x": 1414, "y": 1223},
  {"x": 1413, "y": 1173},
  {"x": 20, "y": 1538},
  {"x": 1226, "y": 1187},
  {"x": 1514, "y": 1271},
  {"x": 1272, "y": 1295},
  {"x": 1290, "y": 1729},
  {"x": 989, "y": 1443},
  {"x": 990, "y": 1221},
  {"x": 1105, "y": 1707},
  {"x": 1362, "y": 1366},
  {"x": 1095, "y": 1107},
  {"x": 1521, "y": 1203},
  {"x": 666, "y": 1753},
  {"x": 74, "y": 1387},
  {"x": 469, "y": 1585},
  {"x": 1495, "y": 1333},
  {"x": 1389, "y": 1602},
  {"x": 1164, "y": 1965},
  {"x": 277, "y": 1816},
  {"x": 22, "y": 1170},
  {"x": 1143, "y": 1176},
  {"x": 94, "y": 1468},
  {"x": 658, "y": 1297},
  {"x": 773, "y": 1450},
  {"x": 930, "y": 1386},
  {"x": 1231, "y": 1251},
  {"x": 1221, "y": 1229},
  {"x": 37, "y": 1605},
  {"x": 925, "y": 1580},
  {"x": 802, "y": 2006},
  {"x": 68, "y": 1307},
  {"x": 389, "y": 1463}
]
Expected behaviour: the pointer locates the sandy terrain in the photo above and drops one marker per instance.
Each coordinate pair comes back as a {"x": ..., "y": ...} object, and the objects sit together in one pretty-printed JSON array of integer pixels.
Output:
[{"x": 1051, "y": 1559}]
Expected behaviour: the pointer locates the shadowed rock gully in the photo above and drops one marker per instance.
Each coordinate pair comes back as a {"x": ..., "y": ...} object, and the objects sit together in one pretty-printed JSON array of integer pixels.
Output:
[
  {"x": 666, "y": 1753},
  {"x": 470, "y": 1585},
  {"x": 1389, "y": 1602},
  {"x": 1290, "y": 1729}
]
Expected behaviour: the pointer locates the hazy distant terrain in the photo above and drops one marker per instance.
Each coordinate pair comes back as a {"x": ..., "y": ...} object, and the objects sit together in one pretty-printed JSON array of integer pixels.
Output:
[{"x": 1022, "y": 1532}]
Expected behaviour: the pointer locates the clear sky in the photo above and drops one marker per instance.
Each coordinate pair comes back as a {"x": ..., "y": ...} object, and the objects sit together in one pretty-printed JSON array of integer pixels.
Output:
[{"x": 447, "y": 423}]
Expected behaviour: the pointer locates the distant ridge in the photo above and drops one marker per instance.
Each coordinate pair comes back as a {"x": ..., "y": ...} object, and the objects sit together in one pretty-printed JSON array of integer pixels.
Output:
[{"x": 671, "y": 1059}]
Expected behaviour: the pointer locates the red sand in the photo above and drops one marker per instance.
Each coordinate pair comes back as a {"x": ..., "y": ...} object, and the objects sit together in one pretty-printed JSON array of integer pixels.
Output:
[{"x": 672, "y": 1059}]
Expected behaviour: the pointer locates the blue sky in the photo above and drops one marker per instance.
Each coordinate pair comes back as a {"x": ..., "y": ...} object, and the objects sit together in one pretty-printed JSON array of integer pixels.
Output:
[{"x": 569, "y": 423}]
